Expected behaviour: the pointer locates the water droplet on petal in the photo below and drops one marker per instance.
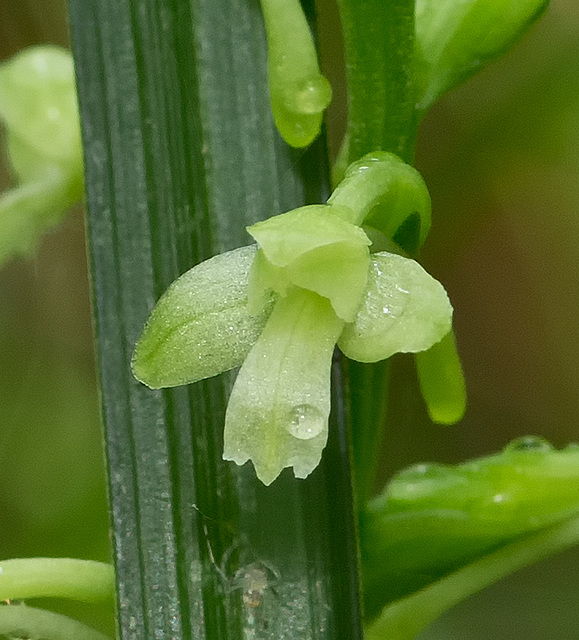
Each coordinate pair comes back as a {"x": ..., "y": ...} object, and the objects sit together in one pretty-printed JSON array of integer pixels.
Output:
[
  {"x": 305, "y": 422},
  {"x": 533, "y": 444}
]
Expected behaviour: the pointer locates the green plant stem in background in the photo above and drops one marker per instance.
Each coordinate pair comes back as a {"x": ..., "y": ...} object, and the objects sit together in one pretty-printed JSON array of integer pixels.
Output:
[
  {"x": 82, "y": 580},
  {"x": 181, "y": 155},
  {"x": 21, "y": 621},
  {"x": 404, "y": 619},
  {"x": 379, "y": 51}
]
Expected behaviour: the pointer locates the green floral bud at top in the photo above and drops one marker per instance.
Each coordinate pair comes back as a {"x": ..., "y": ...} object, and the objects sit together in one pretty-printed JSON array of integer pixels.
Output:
[
  {"x": 456, "y": 38},
  {"x": 299, "y": 92},
  {"x": 278, "y": 310},
  {"x": 431, "y": 519},
  {"x": 38, "y": 108}
]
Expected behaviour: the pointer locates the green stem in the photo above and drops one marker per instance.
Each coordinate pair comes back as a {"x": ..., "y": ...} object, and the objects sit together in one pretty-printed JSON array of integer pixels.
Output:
[
  {"x": 82, "y": 580},
  {"x": 369, "y": 418},
  {"x": 404, "y": 619},
  {"x": 20, "y": 621},
  {"x": 379, "y": 51}
]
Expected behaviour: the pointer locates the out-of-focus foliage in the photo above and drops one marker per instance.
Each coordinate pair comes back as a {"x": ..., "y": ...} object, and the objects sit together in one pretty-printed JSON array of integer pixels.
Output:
[
  {"x": 39, "y": 114},
  {"x": 52, "y": 491},
  {"x": 431, "y": 519}
]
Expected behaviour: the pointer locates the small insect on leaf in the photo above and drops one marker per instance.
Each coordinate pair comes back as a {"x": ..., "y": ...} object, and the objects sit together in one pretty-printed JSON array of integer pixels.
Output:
[{"x": 255, "y": 579}]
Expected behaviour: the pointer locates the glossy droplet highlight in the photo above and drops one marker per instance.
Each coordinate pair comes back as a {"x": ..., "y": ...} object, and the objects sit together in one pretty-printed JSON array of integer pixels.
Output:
[
  {"x": 421, "y": 481},
  {"x": 305, "y": 422},
  {"x": 313, "y": 96},
  {"x": 533, "y": 444},
  {"x": 425, "y": 471}
]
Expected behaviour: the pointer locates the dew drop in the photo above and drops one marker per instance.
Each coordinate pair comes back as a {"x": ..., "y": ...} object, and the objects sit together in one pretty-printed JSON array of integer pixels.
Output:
[
  {"x": 313, "y": 96},
  {"x": 533, "y": 444},
  {"x": 424, "y": 471},
  {"x": 420, "y": 481},
  {"x": 305, "y": 422}
]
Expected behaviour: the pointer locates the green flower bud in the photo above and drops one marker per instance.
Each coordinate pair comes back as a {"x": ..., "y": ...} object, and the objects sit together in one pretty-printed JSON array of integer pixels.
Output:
[
  {"x": 299, "y": 92},
  {"x": 432, "y": 519},
  {"x": 38, "y": 108},
  {"x": 457, "y": 38}
]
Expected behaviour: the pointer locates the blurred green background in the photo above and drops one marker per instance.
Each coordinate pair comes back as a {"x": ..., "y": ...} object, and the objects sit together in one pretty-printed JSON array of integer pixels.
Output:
[{"x": 501, "y": 158}]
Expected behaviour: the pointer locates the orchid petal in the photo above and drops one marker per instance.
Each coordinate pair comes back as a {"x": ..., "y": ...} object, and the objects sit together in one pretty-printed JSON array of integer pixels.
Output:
[
  {"x": 201, "y": 326},
  {"x": 404, "y": 309},
  {"x": 278, "y": 411}
]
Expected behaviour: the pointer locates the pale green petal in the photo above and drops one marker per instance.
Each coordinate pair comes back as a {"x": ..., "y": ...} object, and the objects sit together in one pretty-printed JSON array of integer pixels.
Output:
[
  {"x": 201, "y": 326},
  {"x": 316, "y": 250},
  {"x": 403, "y": 310},
  {"x": 264, "y": 278},
  {"x": 278, "y": 411},
  {"x": 337, "y": 271},
  {"x": 286, "y": 237}
]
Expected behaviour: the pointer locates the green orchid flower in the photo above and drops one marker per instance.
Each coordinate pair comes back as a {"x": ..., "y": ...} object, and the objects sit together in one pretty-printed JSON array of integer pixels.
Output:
[
  {"x": 278, "y": 309},
  {"x": 38, "y": 108}
]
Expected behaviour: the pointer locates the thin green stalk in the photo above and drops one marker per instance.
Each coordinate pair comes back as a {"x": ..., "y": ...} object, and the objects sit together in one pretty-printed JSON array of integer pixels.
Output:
[
  {"x": 379, "y": 52},
  {"x": 21, "y": 621},
  {"x": 404, "y": 619},
  {"x": 369, "y": 416},
  {"x": 82, "y": 580}
]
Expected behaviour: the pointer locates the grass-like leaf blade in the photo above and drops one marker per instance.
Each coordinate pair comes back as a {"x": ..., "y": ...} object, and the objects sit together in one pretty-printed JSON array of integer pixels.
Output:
[{"x": 181, "y": 154}]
